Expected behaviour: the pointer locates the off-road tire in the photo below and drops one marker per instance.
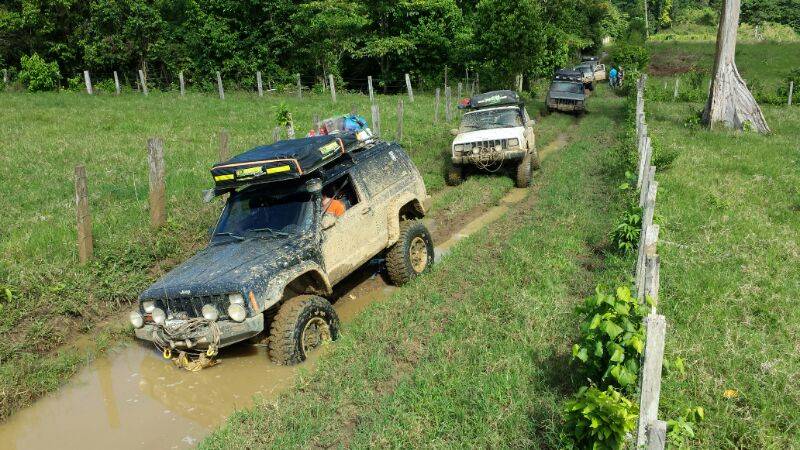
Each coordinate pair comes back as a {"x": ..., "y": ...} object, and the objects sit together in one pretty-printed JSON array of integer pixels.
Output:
[
  {"x": 524, "y": 170},
  {"x": 285, "y": 346},
  {"x": 400, "y": 263},
  {"x": 536, "y": 163},
  {"x": 455, "y": 175}
]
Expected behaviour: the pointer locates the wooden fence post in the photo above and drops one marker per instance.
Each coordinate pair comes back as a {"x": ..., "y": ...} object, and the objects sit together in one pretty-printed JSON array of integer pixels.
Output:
[
  {"x": 299, "y": 87},
  {"x": 5, "y": 76},
  {"x": 371, "y": 92},
  {"x": 408, "y": 88},
  {"x": 183, "y": 84},
  {"x": 652, "y": 273},
  {"x": 677, "y": 87},
  {"x": 158, "y": 188},
  {"x": 116, "y": 82},
  {"x": 657, "y": 435},
  {"x": 143, "y": 82},
  {"x": 376, "y": 119},
  {"x": 290, "y": 128},
  {"x": 448, "y": 105},
  {"x": 223, "y": 145},
  {"x": 458, "y": 97},
  {"x": 445, "y": 75},
  {"x": 315, "y": 123},
  {"x": 333, "y": 87},
  {"x": 276, "y": 134},
  {"x": 647, "y": 225},
  {"x": 88, "y": 82},
  {"x": 219, "y": 86},
  {"x": 436, "y": 107},
  {"x": 791, "y": 92},
  {"x": 85, "y": 241},
  {"x": 399, "y": 120},
  {"x": 259, "y": 84},
  {"x": 655, "y": 330}
]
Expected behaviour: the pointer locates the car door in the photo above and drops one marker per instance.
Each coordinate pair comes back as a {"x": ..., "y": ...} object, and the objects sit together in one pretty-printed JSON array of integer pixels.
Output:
[{"x": 350, "y": 242}]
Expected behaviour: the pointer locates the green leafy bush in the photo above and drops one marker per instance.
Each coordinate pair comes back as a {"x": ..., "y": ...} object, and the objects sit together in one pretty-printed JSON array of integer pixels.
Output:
[
  {"x": 630, "y": 57},
  {"x": 612, "y": 338},
  {"x": 600, "y": 419},
  {"x": 38, "y": 74},
  {"x": 625, "y": 236},
  {"x": 681, "y": 430}
]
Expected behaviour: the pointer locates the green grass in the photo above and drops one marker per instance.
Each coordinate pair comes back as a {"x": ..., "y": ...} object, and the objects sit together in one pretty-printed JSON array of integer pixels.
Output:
[
  {"x": 730, "y": 227},
  {"x": 475, "y": 353}
]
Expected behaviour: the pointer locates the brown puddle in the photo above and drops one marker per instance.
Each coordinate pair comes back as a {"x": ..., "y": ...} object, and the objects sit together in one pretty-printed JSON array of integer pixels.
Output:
[{"x": 132, "y": 398}]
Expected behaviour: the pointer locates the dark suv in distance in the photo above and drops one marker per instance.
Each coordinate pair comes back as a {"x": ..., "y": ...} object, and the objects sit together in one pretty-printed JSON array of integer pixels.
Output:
[{"x": 567, "y": 92}]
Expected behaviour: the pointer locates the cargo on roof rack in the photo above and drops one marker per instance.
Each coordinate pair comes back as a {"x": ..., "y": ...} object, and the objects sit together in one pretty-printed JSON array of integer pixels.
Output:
[
  {"x": 283, "y": 160},
  {"x": 492, "y": 99},
  {"x": 568, "y": 75}
]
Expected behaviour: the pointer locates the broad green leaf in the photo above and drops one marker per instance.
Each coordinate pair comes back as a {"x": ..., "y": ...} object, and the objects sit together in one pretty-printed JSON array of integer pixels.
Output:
[{"x": 611, "y": 329}]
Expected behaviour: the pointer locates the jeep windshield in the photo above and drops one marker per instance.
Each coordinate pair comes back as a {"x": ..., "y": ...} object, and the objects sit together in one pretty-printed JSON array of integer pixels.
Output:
[
  {"x": 565, "y": 86},
  {"x": 254, "y": 213},
  {"x": 488, "y": 119}
]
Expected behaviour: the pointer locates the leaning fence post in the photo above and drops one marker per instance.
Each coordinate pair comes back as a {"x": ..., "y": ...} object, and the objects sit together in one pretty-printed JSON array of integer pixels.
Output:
[
  {"x": 259, "y": 84},
  {"x": 299, "y": 87},
  {"x": 677, "y": 86},
  {"x": 791, "y": 92},
  {"x": 408, "y": 88},
  {"x": 399, "y": 120},
  {"x": 85, "y": 242},
  {"x": 371, "y": 92},
  {"x": 436, "y": 107},
  {"x": 458, "y": 92},
  {"x": 376, "y": 119},
  {"x": 116, "y": 82},
  {"x": 224, "y": 137},
  {"x": 183, "y": 85},
  {"x": 448, "y": 104},
  {"x": 219, "y": 86},
  {"x": 155, "y": 159},
  {"x": 5, "y": 76},
  {"x": 143, "y": 82},
  {"x": 651, "y": 277},
  {"x": 333, "y": 87},
  {"x": 655, "y": 330},
  {"x": 88, "y": 82}
]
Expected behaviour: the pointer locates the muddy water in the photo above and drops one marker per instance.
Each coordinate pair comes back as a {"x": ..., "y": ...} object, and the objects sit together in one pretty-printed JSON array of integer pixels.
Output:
[{"x": 133, "y": 398}]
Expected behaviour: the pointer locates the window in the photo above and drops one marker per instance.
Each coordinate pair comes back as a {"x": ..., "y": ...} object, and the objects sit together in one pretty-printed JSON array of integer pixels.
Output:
[
  {"x": 254, "y": 212},
  {"x": 341, "y": 189}
]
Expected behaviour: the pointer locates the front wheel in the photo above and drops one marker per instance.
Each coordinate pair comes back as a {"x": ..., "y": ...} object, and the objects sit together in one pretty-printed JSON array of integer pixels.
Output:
[
  {"x": 303, "y": 323},
  {"x": 536, "y": 163},
  {"x": 524, "y": 169},
  {"x": 455, "y": 175},
  {"x": 411, "y": 255}
]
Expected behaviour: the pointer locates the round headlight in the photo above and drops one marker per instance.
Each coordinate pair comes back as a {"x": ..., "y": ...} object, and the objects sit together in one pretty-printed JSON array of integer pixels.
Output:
[
  {"x": 159, "y": 316},
  {"x": 236, "y": 299},
  {"x": 149, "y": 306},
  {"x": 513, "y": 142},
  {"x": 210, "y": 312},
  {"x": 237, "y": 312},
  {"x": 136, "y": 319},
  {"x": 458, "y": 147}
]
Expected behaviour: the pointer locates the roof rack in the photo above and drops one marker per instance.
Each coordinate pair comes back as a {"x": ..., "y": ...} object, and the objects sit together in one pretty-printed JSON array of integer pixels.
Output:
[{"x": 491, "y": 99}]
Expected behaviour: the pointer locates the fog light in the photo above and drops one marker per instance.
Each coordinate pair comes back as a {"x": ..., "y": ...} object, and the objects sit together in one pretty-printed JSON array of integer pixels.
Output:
[
  {"x": 210, "y": 312},
  {"x": 236, "y": 298},
  {"x": 136, "y": 319},
  {"x": 159, "y": 316},
  {"x": 237, "y": 312},
  {"x": 149, "y": 306},
  {"x": 513, "y": 142}
]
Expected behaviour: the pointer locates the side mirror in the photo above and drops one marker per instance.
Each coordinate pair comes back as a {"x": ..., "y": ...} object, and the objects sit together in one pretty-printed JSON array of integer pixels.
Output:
[
  {"x": 454, "y": 132},
  {"x": 328, "y": 221}
]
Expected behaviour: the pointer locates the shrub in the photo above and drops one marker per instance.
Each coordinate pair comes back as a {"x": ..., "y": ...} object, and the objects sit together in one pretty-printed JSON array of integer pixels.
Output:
[
  {"x": 630, "y": 57},
  {"x": 681, "y": 430},
  {"x": 612, "y": 338},
  {"x": 625, "y": 236},
  {"x": 600, "y": 419},
  {"x": 38, "y": 74}
]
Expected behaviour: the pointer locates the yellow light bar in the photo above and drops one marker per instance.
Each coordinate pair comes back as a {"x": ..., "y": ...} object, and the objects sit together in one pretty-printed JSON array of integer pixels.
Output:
[
  {"x": 278, "y": 169},
  {"x": 223, "y": 177}
]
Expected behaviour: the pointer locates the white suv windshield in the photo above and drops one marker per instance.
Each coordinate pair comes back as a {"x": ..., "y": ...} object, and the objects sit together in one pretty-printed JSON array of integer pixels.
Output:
[
  {"x": 565, "y": 86},
  {"x": 495, "y": 118}
]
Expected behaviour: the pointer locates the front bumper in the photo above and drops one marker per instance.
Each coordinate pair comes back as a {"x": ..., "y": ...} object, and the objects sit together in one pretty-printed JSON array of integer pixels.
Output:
[
  {"x": 230, "y": 333},
  {"x": 566, "y": 106},
  {"x": 489, "y": 155}
]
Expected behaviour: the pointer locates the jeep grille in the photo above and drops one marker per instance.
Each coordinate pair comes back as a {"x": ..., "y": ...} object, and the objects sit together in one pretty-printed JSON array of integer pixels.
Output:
[
  {"x": 486, "y": 146},
  {"x": 192, "y": 306}
]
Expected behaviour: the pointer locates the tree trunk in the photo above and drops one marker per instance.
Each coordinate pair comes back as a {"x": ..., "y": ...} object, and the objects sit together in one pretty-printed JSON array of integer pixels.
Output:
[{"x": 730, "y": 101}]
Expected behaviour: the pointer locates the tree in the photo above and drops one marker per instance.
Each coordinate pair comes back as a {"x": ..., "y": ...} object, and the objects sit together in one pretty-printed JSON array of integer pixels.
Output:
[{"x": 730, "y": 101}]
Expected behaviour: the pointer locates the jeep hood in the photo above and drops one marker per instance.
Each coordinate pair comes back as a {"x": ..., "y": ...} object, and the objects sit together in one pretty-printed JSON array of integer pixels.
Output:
[
  {"x": 493, "y": 133},
  {"x": 236, "y": 266},
  {"x": 561, "y": 95}
]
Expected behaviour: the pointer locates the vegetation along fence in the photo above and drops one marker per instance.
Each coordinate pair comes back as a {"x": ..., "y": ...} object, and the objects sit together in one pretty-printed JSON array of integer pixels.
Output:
[{"x": 651, "y": 432}]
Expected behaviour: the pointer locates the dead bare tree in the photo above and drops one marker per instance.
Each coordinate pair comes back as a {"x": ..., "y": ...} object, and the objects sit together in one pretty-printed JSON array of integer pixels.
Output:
[{"x": 730, "y": 101}]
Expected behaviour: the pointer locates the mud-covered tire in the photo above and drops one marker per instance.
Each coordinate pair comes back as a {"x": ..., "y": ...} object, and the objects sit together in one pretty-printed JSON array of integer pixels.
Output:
[
  {"x": 522, "y": 178},
  {"x": 454, "y": 176},
  {"x": 293, "y": 320},
  {"x": 411, "y": 255},
  {"x": 536, "y": 163}
]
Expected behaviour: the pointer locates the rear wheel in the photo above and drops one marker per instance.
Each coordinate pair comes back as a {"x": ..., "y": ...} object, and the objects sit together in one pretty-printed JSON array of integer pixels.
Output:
[
  {"x": 411, "y": 255},
  {"x": 524, "y": 169},
  {"x": 455, "y": 175},
  {"x": 303, "y": 323}
]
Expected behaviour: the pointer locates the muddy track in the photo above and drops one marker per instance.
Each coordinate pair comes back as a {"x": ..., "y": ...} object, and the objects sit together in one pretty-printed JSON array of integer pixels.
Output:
[{"x": 131, "y": 389}]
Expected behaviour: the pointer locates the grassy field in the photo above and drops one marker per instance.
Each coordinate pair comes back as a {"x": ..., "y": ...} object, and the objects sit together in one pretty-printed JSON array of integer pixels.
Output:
[
  {"x": 472, "y": 354},
  {"x": 50, "y": 306},
  {"x": 728, "y": 207}
]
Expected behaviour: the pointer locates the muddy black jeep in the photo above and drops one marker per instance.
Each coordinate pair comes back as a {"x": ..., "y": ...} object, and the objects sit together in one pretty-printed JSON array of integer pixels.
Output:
[
  {"x": 567, "y": 92},
  {"x": 300, "y": 216},
  {"x": 495, "y": 132}
]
